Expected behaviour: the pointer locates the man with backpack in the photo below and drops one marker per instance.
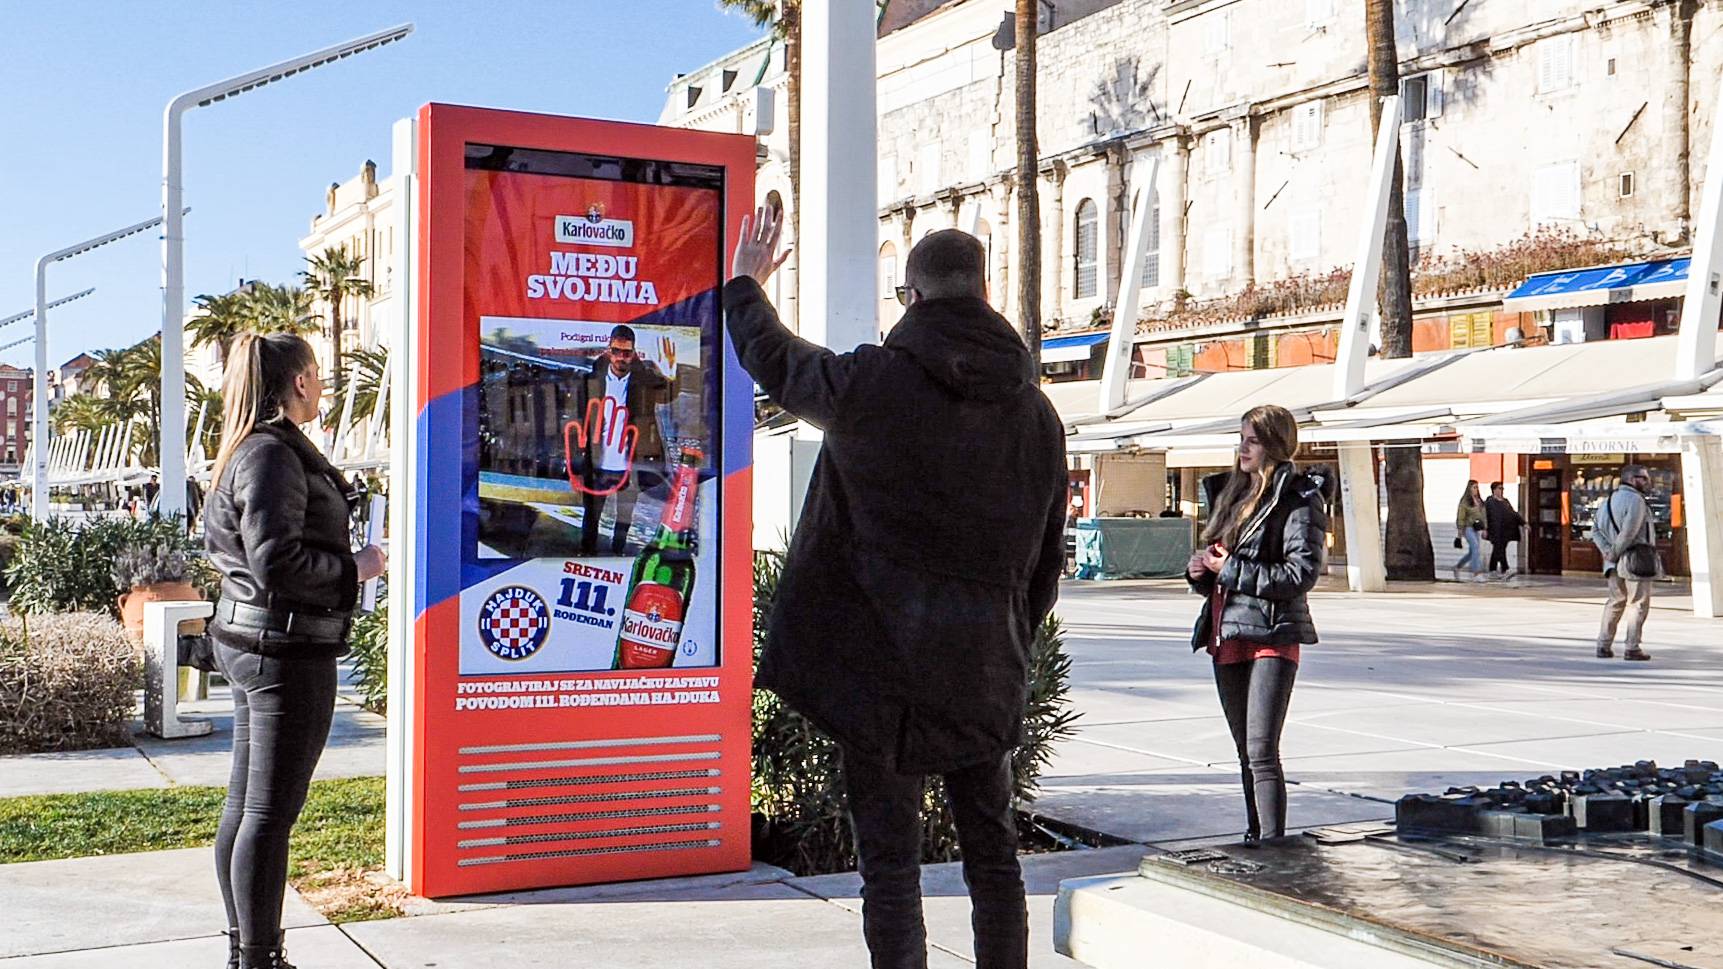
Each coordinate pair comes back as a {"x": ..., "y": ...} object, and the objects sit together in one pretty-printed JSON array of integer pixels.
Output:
[{"x": 1623, "y": 531}]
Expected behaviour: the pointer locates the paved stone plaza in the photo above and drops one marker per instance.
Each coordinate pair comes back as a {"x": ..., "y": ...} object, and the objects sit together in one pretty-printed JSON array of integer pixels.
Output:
[{"x": 1415, "y": 690}]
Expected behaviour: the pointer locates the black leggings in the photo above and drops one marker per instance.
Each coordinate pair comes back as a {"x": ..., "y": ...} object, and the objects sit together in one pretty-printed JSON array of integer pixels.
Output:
[
  {"x": 281, "y": 714},
  {"x": 1255, "y": 696}
]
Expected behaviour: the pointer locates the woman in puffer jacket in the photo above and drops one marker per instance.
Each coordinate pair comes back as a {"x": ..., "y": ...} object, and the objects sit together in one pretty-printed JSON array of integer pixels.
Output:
[
  {"x": 1264, "y": 549},
  {"x": 277, "y": 530}
]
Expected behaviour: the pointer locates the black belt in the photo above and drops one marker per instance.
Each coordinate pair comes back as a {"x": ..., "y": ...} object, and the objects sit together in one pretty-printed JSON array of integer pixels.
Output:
[{"x": 282, "y": 621}]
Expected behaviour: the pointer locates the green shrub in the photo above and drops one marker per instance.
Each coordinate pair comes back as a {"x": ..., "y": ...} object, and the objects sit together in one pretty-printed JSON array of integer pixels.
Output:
[
  {"x": 801, "y": 820},
  {"x": 61, "y": 566},
  {"x": 8, "y": 552},
  {"x": 370, "y": 657},
  {"x": 66, "y": 683}
]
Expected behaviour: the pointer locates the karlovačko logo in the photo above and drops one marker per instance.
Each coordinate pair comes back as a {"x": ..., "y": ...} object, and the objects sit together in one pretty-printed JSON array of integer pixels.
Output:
[
  {"x": 593, "y": 229},
  {"x": 514, "y": 622}
]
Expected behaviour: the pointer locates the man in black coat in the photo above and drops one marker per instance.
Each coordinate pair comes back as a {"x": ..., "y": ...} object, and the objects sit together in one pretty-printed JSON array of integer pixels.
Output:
[
  {"x": 1502, "y": 526},
  {"x": 928, "y": 552}
]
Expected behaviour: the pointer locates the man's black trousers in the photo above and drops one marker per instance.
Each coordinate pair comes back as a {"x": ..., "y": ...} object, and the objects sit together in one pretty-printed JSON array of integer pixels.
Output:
[{"x": 885, "y": 809}]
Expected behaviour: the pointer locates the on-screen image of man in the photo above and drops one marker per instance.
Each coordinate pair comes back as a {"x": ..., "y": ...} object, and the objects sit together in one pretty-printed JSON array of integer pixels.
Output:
[
  {"x": 621, "y": 380},
  {"x": 927, "y": 554}
]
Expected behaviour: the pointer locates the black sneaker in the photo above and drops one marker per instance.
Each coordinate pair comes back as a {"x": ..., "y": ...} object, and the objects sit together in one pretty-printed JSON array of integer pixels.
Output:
[
  {"x": 1604, "y": 652},
  {"x": 1636, "y": 654}
]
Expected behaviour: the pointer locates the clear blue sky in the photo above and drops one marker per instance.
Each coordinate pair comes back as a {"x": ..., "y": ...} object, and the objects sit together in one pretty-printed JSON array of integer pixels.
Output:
[{"x": 85, "y": 82}]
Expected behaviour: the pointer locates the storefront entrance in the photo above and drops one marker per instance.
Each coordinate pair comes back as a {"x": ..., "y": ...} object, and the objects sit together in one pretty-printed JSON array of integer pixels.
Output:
[{"x": 1564, "y": 493}]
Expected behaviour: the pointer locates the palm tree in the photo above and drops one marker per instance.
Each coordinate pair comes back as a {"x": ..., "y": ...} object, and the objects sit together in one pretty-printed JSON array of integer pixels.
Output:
[
  {"x": 1028, "y": 191},
  {"x": 1407, "y": 552},
  {"x": 80, "y": 412},
  {"x": 333, "y": 276},
  {"x": 223, "y": 318},
  {"x": 279, "y": 309},
  {"x": 373, "y": 372}
]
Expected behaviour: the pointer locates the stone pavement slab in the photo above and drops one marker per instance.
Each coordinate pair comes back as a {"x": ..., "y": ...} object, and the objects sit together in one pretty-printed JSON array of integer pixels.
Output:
[
  {"x": 1152, "y": 807},
  {"x": 114, "y": 769},
  {"x": 315, "y": 947},
  {"x": 355, "y": 747},
  {"x": 945, "y": 900},
  {"x": 1417, "y": 689},
  {"x": 749, "y": 927},
  {"x": 1608, "y": 750},
  {"x": 117, "y": 900},
  {"x": 1393, "y": 775},
  {"x": 759, "y": 874}
]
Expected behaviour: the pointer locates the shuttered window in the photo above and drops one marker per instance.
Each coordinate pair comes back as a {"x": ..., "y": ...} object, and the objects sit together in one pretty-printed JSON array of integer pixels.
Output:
[{"x": 1087, "y": 249}]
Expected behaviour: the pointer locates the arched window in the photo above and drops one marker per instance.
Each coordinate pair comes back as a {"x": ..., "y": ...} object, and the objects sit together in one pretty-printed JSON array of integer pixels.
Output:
[
  {"x": 1152, "y": 254},
  {"x": 888, "y": 272},
  {"x": 1087, "y": 249}
]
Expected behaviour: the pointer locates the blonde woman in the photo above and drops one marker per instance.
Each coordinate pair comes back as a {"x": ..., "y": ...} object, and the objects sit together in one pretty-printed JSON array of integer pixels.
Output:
[
  {"x": 277, "y": 531},
  {"x": 1264, "y": 549},
  {"x": 1469, "y": 522}
]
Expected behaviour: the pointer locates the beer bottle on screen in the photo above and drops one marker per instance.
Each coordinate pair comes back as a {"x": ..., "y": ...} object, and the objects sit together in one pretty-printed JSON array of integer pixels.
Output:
[{"x": 662, "y": 582}]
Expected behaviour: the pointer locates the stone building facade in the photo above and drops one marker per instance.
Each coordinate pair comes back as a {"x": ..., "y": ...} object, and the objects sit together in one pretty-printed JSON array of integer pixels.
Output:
[{"x": 1588, "y": 116}]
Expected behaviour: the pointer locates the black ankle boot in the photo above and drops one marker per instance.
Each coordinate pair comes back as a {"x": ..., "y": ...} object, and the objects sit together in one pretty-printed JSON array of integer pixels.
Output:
[
  {"x": 232, "y": 948},
  {"x": 264, "y": 956}
]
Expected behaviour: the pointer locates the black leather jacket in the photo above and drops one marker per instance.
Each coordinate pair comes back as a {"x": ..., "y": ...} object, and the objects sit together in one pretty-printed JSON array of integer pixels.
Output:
[
  {"x": 277, "y": 529},
  {"x": 1280, "y": 555}
]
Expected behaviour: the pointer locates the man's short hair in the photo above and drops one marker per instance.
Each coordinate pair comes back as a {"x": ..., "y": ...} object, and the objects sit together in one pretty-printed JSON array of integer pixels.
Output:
[
  {"x": 946, "y": 264},
  {"x": 622, "y": 331},
  {"x": 1631, "y": 471},
  {"x": 1494, "y": 485}
]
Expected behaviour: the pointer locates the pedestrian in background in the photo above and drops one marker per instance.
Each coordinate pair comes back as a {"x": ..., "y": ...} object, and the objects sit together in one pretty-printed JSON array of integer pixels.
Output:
[
  {"x": 1265, "y": 546},
  {"x": 1503, "y": 526},
  {"x": 1624, "y": 531},
  {"x": 1469, "y": 524},
  {"x": 277, "y": 532},
  {"x": 927, "y": 555}
]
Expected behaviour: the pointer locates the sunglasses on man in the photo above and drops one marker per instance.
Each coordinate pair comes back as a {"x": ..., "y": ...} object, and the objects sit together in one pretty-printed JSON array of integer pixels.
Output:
[{"x": 903, "y": 293}]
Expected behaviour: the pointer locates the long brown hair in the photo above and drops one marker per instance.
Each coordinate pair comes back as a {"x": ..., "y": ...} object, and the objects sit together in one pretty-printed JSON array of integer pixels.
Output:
[
  {"x": 261, "y": 369},
  {"x": 1277, "y": 430}
]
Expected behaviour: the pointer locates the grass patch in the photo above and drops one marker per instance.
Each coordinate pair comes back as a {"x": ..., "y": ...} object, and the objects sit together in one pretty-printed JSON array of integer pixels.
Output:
[{"x": 336, "y": 858}]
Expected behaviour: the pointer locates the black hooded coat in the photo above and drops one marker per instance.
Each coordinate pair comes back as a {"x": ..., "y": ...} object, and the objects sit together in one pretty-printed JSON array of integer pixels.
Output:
[{"x": 932, "y": 536}]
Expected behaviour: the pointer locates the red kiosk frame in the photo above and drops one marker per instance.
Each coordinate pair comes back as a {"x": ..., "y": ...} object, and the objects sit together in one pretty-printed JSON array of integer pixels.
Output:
[{"x": 566, "y": 776}]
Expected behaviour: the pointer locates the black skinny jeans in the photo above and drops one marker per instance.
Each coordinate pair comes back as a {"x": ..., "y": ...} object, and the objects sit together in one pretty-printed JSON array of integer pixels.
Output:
[
  {"x": 1255, "y": 696},
  {"x": 281, "y": 714},
  {"x": 1499, "y": 557},
  {"x": 885, "y": 809}
]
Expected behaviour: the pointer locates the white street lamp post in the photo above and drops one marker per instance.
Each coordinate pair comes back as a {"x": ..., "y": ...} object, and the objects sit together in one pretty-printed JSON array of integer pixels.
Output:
[
  {"x": 62, "y": 301},
  {"x": 173, "y": 476},
  {"x": 39, "y": 420}
]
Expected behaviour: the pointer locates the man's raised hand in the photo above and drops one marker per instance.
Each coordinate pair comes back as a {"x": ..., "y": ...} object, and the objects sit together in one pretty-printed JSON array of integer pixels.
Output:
[{"x": 757, "y": 251}]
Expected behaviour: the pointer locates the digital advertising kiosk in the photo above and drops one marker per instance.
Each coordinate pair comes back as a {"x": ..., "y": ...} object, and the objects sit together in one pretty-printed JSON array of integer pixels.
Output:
[{"x": 579, "y": 677}]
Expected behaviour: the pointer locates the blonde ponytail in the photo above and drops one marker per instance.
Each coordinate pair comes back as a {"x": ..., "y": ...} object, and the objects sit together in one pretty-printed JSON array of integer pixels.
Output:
[{"x": 260, "y": 372}]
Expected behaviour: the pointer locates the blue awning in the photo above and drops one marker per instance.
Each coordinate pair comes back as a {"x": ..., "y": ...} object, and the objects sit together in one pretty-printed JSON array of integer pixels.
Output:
[
  {"x": 1633, "y": 282},
  {"x": 1080, "y": 340},
  {"x": 1071, "y": 349}
]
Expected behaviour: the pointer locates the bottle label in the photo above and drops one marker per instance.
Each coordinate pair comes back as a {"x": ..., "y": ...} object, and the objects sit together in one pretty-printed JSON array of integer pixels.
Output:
[
  {"x": 679, "y": 510},
  {"x": 651, "y": 627}
]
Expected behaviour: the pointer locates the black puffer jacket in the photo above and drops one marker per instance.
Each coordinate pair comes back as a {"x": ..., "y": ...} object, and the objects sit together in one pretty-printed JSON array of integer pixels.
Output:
[
  {"x": 277, "y": 530},
  {"x": 1280, "y": 555}
]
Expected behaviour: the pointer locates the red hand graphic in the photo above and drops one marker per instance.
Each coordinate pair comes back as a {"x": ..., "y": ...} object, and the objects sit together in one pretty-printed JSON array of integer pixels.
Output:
[{"x": 612, "y": 423}]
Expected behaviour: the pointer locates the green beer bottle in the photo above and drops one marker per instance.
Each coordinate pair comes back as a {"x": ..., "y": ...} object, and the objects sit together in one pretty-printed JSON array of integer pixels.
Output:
[{"x": 663, "y": 579}]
